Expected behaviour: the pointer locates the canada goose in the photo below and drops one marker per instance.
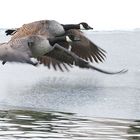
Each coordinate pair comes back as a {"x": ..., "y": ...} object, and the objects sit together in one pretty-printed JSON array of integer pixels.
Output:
[
  {"x": 23, "y": 49},
  {"x": 85, "y": 48},
  {"x": 20, "y": 50},
  {"x": 63, "y": 55},
  {"x": 48, "y": 28}
]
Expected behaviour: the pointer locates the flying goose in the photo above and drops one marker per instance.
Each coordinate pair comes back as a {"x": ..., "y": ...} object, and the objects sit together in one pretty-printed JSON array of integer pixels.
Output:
[
  {"x": 48, "y": 28},
  {"x": 84, "y": 48},
  {"x": 23, "y": 49},
  {"x": 20, "y": 50}
]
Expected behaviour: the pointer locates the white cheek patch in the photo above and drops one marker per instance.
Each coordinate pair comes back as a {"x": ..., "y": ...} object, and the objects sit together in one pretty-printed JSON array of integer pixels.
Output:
[
  {"x": 68, "y": 39},
  {"x": 82, "y": 27}
]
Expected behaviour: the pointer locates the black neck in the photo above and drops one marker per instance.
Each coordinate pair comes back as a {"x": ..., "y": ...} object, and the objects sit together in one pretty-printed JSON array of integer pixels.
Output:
[
  {"x": 70, "y": 26},
  {"x": 52, "y": 41}
]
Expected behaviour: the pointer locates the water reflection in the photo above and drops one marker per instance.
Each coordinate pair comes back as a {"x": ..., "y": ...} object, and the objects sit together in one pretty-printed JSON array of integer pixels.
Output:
[
  {"x": 54, "y": 125},
  {"x": 134, "y": 132}
]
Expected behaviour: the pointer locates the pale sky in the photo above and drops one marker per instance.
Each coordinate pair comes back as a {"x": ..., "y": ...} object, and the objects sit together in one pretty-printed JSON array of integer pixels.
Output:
[{"x": 100, "y": 14}]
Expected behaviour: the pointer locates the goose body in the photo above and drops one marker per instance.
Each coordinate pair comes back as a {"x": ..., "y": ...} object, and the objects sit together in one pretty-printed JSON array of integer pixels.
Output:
[
  {"x": 46, "y": 28},
  {"x": 16, "y": 51},
  {"x": 85, "y": 48},
  {"x": 23, "y": 49},
  {"x": 55, "y": 28},
  {"x": 20, "y": 50},
  {"x": 40, "y": 47}
]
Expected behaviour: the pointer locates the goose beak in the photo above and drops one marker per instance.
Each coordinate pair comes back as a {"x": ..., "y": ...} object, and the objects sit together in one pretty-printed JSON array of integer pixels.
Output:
[{"x": 90, "y": 28}]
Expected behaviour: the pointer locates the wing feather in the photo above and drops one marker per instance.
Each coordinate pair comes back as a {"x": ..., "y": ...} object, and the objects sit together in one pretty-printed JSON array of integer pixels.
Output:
[{"x": 85, "y": 48}]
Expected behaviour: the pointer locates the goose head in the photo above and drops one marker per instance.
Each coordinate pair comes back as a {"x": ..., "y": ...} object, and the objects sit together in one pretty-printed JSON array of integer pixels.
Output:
[{"x": 85, "y": 26}]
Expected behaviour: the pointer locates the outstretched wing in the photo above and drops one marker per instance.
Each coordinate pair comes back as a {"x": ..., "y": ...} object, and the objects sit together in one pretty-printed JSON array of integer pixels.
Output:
[
  {"x": 56, "y": 64},
  {"x": 85, "y": 48},
  {"x": 64, "y": 56}
]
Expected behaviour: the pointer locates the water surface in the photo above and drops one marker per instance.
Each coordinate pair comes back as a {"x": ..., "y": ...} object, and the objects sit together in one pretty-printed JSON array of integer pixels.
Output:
[{"x": 38, "y": 103}]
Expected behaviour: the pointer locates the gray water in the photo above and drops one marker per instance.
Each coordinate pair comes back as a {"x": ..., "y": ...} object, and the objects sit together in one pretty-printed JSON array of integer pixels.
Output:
[{"x": 38, "y": 103}]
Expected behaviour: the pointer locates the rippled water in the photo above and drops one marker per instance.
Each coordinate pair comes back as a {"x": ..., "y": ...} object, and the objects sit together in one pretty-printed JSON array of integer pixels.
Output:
[
  {"x": 37, "y": 103},
  {"x": 53, "y": 125}
]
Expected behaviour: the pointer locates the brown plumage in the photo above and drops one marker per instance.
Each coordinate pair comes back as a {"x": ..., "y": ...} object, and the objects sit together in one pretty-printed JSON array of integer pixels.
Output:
[
  {"x": 33, "y": 28},
  {"x": 63, "y": 55},
  {"x": 23, "y": 49},
  {"x": 84, "y": 48},
  {"x": 49, "y": 61}
]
